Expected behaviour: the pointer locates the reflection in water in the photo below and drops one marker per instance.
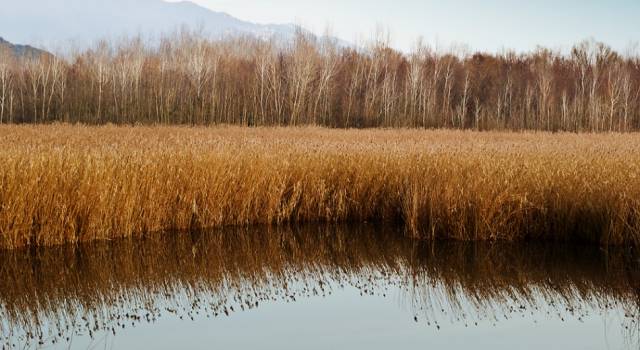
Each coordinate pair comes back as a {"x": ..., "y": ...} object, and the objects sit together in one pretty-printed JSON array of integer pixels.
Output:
[{"x": 53, "y": 295}]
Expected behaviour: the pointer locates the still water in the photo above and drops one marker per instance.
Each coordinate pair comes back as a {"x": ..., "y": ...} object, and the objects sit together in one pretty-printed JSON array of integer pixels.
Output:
[{"x": 329, "y": 287}]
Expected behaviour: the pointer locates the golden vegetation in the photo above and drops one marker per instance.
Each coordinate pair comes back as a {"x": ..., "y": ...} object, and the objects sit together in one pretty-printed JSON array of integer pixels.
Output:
[
  {"x": 188, "y": 79},
  {"x": 69, "y": 184},
  {"x": 59, "y": 292}
]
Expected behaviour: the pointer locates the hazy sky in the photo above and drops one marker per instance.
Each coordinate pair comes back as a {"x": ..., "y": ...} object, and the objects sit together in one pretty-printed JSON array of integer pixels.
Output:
[{"x": 483, "y": 24}]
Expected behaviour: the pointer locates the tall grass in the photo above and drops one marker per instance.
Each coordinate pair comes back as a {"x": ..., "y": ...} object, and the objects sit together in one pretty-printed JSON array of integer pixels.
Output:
[
  {"x": 188, "y": 79},
  {"x": 69, "y": 184}
]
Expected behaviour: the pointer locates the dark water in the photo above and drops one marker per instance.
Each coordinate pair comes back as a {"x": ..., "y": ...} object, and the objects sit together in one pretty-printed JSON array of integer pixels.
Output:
[{"x": 361, "y": 287}]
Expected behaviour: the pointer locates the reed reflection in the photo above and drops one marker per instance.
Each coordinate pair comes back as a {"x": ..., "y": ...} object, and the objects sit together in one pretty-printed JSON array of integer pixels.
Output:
[{"x": 51, "y": 295}]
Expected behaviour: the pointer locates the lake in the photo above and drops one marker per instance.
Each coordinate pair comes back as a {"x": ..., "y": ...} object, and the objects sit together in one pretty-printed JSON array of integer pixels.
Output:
[{"x": 318, "y": 287}]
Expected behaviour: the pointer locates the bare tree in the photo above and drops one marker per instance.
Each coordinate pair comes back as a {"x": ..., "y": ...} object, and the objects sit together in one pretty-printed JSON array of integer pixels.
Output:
[
  {"x": 188, "y": 78},
  {"x": 301, "y": 73},
  {"x": 328, "y": 65},
  {"x": 6, "y": 81},
  {"x": 98, "y": 62}
]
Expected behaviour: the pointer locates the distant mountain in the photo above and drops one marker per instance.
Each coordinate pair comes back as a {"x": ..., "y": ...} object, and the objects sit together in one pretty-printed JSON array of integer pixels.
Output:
[
  {"x": 21, "y": 50},
  {"x": 54, "y": 22}
]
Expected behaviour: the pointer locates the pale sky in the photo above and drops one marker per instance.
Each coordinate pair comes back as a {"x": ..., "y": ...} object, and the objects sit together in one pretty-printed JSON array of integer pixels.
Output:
[{"x": 483, "y": 25}]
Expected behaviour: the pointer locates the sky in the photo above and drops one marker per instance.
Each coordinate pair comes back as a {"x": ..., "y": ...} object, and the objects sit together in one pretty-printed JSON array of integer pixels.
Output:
[{"x": 484, "y": 25}]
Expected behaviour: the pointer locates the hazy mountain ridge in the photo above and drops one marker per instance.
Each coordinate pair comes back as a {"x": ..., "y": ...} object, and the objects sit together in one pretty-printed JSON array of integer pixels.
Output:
[
  {"x": 21, "y": 50},
  {"x": 40, "y": 22}
]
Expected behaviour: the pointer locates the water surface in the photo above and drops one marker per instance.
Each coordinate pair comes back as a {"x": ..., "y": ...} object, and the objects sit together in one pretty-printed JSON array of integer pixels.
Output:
[{"x": 318, "y": 288}]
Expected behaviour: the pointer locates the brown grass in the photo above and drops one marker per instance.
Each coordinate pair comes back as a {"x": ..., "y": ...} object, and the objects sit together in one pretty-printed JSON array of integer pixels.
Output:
[{"x": 69, "y": 184}]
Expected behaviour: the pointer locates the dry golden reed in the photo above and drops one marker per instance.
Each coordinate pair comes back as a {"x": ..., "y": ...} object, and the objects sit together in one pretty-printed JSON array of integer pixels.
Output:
[{"x": 69, "y": 184}]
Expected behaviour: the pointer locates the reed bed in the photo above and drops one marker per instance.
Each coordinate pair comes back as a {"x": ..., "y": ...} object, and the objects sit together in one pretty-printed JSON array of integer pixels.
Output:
[{"x": 70, "y": 184}]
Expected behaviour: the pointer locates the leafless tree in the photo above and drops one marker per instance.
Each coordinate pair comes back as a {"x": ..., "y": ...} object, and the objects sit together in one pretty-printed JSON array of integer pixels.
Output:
[{"x": 189, "y": 78}]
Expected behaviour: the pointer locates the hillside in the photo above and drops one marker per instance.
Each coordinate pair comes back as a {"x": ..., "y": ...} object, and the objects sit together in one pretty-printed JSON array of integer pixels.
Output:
[
  {"x": 34, "y": 22},
  {"x": 21, "y": 50}
]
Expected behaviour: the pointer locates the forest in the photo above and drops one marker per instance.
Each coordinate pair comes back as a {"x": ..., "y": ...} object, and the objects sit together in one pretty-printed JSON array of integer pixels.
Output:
[{"x": 187, "y": 78}]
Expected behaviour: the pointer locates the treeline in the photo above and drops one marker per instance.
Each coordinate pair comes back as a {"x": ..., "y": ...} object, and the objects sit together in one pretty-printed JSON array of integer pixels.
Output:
[{"x": 188, "y": 79}]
